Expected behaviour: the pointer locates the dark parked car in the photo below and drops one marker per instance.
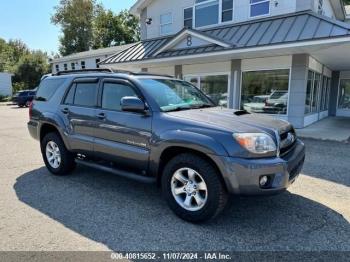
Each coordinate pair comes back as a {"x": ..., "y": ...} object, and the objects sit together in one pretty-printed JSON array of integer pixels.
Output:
[
  {"x": 163, "y": 130},
  {"x": 24, "y": 98}
]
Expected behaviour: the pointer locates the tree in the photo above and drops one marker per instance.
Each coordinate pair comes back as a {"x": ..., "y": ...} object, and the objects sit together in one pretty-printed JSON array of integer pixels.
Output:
[
  {"x": 110, "y": 29},
  {"x": 75, "y": 18},
  {"x": 29, "y": 69}
]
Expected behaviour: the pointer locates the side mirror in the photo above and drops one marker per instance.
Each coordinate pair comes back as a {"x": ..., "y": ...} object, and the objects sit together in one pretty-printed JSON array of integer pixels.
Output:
[{"x": 132, "y": 104}]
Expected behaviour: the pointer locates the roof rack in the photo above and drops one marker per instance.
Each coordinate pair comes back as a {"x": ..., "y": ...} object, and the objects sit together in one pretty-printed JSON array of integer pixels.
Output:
[{"x": 82, "y": 71}]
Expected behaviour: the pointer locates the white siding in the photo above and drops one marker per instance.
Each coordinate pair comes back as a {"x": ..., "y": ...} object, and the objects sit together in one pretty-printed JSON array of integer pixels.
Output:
[
  {"x": 90, "y": 63},
  {"x": 241, "y": 12},
  {"x": 267, "y": 63},
  {"x": 5, "y": 84},
  {"x": 208, "y": 68},
  {"x": 327, "y": 8}
]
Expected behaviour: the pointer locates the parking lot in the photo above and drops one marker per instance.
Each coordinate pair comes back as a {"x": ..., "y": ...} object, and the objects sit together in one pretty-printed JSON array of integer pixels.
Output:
[{"x": 93, "y": 210}]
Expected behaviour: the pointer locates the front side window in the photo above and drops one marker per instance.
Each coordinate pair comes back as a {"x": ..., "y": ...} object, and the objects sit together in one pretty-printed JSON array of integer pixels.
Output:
[
  {"x": 113, "y": 93},
  {"x": 188, "y": 17},
  {"x": 259, "y": 7},
  {"x": 207, "y": 12},
  {"x": 174, "y": 95},
  {"x": 166, "y": 24},
  {"x": 265, "y": 91},
  {"x": 85, "y": 94},
  {"x": 344, "y": 94}
]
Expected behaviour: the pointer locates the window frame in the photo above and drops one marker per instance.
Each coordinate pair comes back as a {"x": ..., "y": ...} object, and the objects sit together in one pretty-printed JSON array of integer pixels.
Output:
[
  {"x": 65, "y": 67},
  {"x": 72, "y": 65},
  {"x": 57, "y": 67},
  {"x": 122, "y": 82},
  {"x": 82, "y": 64},
  {"x": 220, "y": 22},
  {"x": 166, "y": 24},
  {"x": 201, "y": 75},
  {"x": 253, "y": 4},
  {"x": 285, "y": 116},
  {"x": 82, "y": 80},
  {"x": 192, "y": 18}
]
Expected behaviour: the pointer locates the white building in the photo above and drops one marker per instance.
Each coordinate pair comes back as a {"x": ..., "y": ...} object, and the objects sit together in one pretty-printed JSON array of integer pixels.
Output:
[
  {"x": 286, "y": 58},
  {"x": 84, "y": 60},
  {"x": 5, "y": 84}
]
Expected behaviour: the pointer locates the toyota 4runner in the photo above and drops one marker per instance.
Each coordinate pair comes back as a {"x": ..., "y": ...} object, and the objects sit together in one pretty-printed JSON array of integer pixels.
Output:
[{"x": 159, "y": 129}]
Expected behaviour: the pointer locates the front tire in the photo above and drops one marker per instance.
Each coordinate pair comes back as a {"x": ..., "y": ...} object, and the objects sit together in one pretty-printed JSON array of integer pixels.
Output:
[
  {"x": 58, "y": 160},
  {"x": 193, "y": 189}
]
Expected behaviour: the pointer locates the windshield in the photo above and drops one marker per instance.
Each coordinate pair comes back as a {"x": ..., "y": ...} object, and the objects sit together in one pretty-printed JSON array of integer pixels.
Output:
[
  {"x": 278, "y": 94},
  {"x": 174, "y": 95}
]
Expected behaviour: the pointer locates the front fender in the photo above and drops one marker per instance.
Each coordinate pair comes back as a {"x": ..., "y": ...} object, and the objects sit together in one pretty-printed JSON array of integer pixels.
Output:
[{"x": 184, "y": 139}]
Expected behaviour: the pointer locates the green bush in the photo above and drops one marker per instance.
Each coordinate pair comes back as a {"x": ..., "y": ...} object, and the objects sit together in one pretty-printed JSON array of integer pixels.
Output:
[{"x": 5, "y": 98}]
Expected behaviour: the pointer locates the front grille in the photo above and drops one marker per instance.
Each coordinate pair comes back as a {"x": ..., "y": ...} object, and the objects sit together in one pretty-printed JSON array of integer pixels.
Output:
[{"x": 287, "y": 141}]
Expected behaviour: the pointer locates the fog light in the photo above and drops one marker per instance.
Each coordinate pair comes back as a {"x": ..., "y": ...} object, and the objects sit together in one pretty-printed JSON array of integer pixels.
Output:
[{"x": 263, "y": 181}]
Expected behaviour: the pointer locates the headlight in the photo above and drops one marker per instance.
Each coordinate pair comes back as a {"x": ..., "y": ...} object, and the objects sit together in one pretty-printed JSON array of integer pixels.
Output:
[{"x": 257, "y": 143}]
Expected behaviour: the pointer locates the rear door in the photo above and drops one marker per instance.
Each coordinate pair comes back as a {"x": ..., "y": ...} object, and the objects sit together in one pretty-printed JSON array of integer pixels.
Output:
[
  {"x": 79, "y": 111},
  {"x": 122, "y": 137}
]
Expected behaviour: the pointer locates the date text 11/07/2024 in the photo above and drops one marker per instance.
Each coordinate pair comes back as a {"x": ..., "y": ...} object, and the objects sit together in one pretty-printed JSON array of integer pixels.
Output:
[{"x": 171, "y": 256}]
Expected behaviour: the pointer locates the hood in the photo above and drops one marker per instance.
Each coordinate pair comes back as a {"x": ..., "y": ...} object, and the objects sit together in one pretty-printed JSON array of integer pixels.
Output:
[{"x": 228, "y": 120}]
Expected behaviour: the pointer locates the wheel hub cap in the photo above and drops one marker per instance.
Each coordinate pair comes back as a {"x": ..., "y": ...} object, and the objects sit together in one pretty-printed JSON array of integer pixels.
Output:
[
  {"x": 53, "y": 154},
  {"x": 189, "y": 189}
]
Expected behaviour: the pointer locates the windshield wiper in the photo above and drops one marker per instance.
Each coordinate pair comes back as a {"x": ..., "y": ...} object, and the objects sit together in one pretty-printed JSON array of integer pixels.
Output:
[
  {"x": 201, "y": 106},
  {"x": 178, "y": 108}
]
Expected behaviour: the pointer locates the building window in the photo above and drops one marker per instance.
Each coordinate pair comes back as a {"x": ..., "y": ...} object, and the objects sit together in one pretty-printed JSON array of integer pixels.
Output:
[
  {"x": 98, "y": 60},
  {"x": 227, "y": 11},
  {"x": 166, "y": 23},
  {"x": 259, "y": 7},
  {"x": 207, "y": 12},
  {"x": 265, "y": 91},
  {"x": 312, "y": 92},
  {"x": 57, "y": 68},
  {"x": 65, "y": 66},
  {"x": 188, "y": 17},
  {"x": 320, "y": 7},
  {"x": 326, "y": 84},
  {"x": 214, "y": 86},
  {"x": 344, "y": 94},
  {"x": 72, "y": 66},
  {"x": 82, "y": 63}
]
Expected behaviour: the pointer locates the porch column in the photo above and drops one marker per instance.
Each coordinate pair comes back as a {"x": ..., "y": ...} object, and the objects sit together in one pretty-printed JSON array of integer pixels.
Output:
[
  {"x": 235, "y": 84},
  {"x": 178, "y": 71},
  {"x": 333, "y": 99},
  {"x": 298, "y": 84}
]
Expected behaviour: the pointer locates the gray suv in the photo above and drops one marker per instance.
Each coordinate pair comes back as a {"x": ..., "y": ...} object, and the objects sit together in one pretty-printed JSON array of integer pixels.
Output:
[{"x": 157, "y": 129}]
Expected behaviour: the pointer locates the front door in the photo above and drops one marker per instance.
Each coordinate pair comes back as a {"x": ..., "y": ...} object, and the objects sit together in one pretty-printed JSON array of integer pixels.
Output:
[{"x": 122, "y": 137}]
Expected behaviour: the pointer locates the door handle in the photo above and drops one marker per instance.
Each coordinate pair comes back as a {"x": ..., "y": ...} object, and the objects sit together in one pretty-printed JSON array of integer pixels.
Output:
[
  {"x": 65, "y": 111},
  {"x": 101, "y": 116}
]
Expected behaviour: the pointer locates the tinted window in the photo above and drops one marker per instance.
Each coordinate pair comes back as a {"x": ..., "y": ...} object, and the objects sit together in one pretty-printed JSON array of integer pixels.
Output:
[
  {"x": 85, "y": 94},
  {"x": 113, "y": 94},
  {"x": 70, "y": 96},
  {"x": 48, "y": 88},
  {"x": 23, "y": 94}
]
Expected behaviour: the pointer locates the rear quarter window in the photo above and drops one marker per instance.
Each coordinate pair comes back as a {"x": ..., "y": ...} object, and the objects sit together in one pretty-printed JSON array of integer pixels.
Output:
[{"x": 47, "y": 88}]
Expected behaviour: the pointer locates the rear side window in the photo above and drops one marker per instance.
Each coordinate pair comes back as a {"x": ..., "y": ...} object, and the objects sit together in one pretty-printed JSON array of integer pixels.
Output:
[
  {"x": 85, "y": 94},
  {"x": 47, "y": 88}
]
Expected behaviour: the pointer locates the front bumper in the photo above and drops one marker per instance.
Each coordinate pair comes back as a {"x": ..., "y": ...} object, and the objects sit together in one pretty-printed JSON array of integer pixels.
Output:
[{"x": 242, "y": 175}]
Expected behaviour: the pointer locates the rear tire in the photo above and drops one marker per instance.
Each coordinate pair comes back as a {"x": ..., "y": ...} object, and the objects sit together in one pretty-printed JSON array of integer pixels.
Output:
[
  {"x": 199, "y": 201},
  {"x": 58, "y": 160}
]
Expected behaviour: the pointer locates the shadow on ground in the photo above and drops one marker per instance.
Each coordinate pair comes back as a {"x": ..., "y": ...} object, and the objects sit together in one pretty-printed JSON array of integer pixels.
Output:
[{"x": 126, "y": 215}]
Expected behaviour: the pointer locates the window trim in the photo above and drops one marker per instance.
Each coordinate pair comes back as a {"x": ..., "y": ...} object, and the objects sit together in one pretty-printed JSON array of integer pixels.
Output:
[
  {"x": 183, "y": 16},
  {"x": 219, "y": 15},
  {"x": 74, "y": 83},
  {"x": 221, "y": 73},
  {"x": 123, "y": 82},
  {"x": 289, "y": 89},
  {"x": 170, "y": 23},
  {"x": 257, "y": 16}
]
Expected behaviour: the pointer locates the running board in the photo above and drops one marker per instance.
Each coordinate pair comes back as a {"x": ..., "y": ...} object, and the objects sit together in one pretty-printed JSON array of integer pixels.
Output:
[{"x": 122, "y": 173}]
